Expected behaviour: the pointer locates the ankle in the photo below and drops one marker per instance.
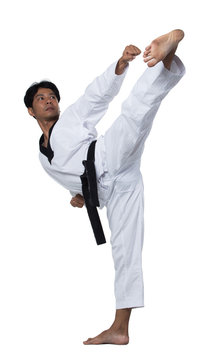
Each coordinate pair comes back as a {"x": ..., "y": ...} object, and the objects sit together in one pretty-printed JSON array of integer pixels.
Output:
[
  {"x": 119, "y": 328},
  {"x": 169, "y": 59},
  {"x": 121, "y": 321}
]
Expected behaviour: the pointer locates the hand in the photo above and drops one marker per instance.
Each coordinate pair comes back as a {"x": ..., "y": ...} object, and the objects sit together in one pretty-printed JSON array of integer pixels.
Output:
[
  {"x": 130, "y": 52},
  {"x": 77, "y": 201}
]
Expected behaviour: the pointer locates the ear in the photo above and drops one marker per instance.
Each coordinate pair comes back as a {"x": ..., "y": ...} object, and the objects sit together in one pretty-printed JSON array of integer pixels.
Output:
[{"x": 30, "y": 111}]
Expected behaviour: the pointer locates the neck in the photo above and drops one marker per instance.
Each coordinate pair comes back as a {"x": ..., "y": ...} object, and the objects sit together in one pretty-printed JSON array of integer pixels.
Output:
[{"x": 45, "y": 127}]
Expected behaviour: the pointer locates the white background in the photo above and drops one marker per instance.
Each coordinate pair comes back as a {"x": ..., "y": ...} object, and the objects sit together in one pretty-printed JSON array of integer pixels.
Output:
[{"x": 56, "y": 285}]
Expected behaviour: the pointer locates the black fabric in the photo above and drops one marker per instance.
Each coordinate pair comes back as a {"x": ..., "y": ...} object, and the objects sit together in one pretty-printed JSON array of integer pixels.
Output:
[
  {"x": 90, "y": 194},
  {"x": 47, "y": 151},
  {"x": 90, "y": 174}
]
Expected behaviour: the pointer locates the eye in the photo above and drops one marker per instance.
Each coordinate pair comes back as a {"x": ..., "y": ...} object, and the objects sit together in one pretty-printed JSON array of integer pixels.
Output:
[
  {"x": 40, "y": 98},
  {"x": 52, "y": 97}
]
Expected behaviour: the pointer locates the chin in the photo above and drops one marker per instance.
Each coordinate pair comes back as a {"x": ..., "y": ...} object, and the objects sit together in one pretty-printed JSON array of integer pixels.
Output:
[{"x": 53, "y": 118}]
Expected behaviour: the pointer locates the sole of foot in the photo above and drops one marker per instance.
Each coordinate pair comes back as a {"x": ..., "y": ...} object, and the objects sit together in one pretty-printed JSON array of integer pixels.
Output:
[{"x": 162, "y": 46}]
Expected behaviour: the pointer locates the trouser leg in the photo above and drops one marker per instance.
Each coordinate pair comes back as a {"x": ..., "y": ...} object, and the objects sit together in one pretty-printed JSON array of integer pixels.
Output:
[
  {"x": 125, "y": 211},
  {"x": 124, "y": 140}
]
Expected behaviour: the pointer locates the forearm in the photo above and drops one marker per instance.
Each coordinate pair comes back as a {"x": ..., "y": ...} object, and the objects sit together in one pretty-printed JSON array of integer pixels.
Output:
[{"x": 121, "y": 66}]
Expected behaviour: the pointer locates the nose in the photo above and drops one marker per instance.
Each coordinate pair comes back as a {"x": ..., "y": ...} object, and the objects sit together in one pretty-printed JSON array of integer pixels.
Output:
[{"x": 49, "y": 101}]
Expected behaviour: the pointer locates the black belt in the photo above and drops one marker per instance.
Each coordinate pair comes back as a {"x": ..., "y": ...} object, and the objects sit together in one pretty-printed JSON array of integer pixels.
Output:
[{"x": 90, "y": 194}]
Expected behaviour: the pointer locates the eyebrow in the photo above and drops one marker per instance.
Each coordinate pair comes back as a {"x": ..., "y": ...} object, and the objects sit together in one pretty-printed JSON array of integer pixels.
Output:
[{"x": 52, "y": 93}]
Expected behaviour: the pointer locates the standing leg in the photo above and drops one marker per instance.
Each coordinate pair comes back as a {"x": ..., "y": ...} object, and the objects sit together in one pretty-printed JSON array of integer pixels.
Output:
[
  {"x": 125, "y": 212},
  {"x": 124, "y": 143}
]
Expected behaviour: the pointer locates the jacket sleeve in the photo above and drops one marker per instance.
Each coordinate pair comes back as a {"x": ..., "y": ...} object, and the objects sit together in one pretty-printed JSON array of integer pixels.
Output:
[
  {"x": 93, "y": 104},
  {"x": 73, "y": 194}
]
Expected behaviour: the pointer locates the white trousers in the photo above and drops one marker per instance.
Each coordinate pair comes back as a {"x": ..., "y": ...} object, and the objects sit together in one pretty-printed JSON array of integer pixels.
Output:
[{"x": 121, "y": 188}]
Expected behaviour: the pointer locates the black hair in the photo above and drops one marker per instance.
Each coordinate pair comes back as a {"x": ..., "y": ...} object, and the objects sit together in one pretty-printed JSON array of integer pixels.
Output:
[{"x": 31, "y": 92}]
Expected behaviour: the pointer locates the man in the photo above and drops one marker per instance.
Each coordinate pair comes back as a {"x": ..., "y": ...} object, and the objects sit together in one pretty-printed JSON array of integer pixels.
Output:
[{"x": 65, "y": 142}]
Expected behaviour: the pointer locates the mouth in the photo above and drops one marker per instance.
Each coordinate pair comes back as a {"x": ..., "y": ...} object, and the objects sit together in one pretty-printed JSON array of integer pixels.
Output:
[{"x": 50, "y": 108}]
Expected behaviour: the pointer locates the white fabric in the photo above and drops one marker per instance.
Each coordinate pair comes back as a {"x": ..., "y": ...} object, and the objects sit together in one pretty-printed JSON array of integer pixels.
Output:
[
  {"x": 75, "y": 130},
  {"x": 121, "y": 188},
  {"x": 118, "y": 155}
]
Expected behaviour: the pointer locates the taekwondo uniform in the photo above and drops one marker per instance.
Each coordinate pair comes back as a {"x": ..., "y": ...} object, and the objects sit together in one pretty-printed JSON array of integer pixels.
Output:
[{"x": 117, "y": 161}]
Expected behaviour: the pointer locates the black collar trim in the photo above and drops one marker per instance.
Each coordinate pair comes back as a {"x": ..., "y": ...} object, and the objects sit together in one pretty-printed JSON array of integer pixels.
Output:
[{"x": 47, "y": 151}]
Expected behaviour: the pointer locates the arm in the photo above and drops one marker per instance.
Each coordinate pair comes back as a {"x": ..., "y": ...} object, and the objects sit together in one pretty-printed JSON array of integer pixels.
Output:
[
  {"x": 92, "y": 106},
  {"x": 129, "y": 53}
]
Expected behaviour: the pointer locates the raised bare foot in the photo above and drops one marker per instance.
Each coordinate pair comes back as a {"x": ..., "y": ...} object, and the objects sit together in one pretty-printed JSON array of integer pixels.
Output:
[
  {"x": 163, "y": 48},
  {"x": 109, "y": 336}
]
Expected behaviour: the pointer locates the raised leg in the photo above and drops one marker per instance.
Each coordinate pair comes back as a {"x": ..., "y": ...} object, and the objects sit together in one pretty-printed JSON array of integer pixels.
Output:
[{"x": 124, "y": 140}]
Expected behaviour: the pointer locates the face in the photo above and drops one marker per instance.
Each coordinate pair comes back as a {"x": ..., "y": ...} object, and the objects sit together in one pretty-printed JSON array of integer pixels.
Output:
[{"x": 45, "y": 106}]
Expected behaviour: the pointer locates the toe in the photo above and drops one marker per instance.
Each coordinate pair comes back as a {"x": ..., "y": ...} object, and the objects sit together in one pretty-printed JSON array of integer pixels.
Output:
[
  {"x": 152, "y": 62},
  {"x": 147, "y": 58},
  {"x": 87, "y": 341},
  {"x": 92, "y": 341},
  {"x": 146, "y": 53},
  {"x": 148, "y": 47}
]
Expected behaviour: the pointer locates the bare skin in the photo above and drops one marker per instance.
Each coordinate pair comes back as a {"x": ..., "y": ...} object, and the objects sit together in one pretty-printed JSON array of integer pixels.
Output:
[
  {"x": 45, "y": 110},
  {"x": 130, "y": 52},
  {"x": 77, "y": 201},
  {"x": 163, "y": 49},
  {"x": 117, "y": 334}
]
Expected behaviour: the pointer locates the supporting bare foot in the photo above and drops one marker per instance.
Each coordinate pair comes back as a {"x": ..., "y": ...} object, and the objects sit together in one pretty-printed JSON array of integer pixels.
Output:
[
  {"x": 117, "y": 334},
  {"x": 109, "y": 336},
  {"x": 163, "y": 48}
]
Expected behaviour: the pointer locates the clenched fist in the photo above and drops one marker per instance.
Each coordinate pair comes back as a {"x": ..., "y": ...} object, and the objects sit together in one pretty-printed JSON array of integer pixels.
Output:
[
  {"x": 129, "y": 54},
  {"x": 77, "y": 201}
]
